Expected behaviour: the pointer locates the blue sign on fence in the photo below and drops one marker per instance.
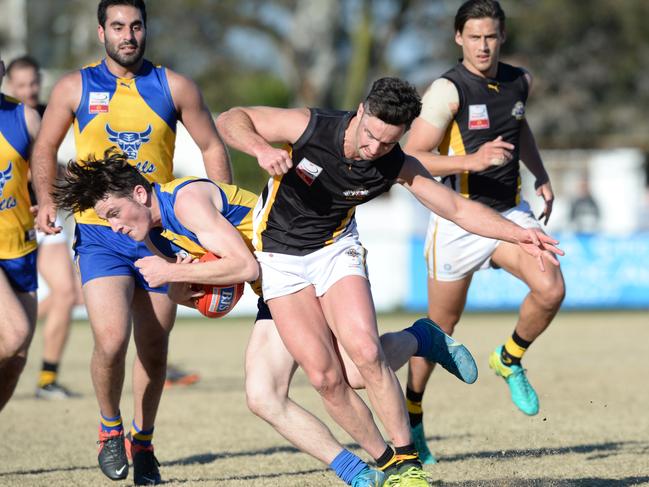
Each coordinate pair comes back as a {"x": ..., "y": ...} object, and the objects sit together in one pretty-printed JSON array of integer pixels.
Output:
[{"x": 600, "y": 272}]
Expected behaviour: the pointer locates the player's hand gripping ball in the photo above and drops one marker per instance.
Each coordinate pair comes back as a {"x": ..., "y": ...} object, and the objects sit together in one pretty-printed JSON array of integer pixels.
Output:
[{"x": 217, "y": 301}]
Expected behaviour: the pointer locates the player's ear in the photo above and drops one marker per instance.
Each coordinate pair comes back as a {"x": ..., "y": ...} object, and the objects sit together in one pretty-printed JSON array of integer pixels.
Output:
[
  {"x": 360, "y": 111},
  {"x": 458, "y": 38},
  {"x": 140, "y": 194},
  {"x": 101, "y": 34}
]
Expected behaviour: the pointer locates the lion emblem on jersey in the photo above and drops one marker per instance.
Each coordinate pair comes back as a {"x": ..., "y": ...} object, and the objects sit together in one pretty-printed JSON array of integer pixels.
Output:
[
  {"x": 129, "y": 142},
  {"x": 5, "y": 176},
  {"x": 518, "y": 112}
]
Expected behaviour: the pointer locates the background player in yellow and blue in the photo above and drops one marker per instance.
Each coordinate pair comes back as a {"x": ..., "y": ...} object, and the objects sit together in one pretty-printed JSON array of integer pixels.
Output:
[
  {"x": 18, "y": 279},
  {"x": 54, "y": 262},
  {"x": 181, "y": 221},
  {"x": 124, "y": 101},
  {"x": 474, "y": 115}
]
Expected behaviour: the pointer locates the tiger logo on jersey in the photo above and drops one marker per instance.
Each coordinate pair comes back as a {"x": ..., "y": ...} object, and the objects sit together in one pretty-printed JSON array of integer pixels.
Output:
[{"x": 129, "y": 142}]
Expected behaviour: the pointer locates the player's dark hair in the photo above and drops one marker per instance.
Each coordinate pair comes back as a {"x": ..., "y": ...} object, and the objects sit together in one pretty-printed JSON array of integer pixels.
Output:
[
  {"x": 87, "y": 182},
  {"x": 479, "y": 9},
  {"x": 104, "y": 4},
  {"x": 393, "y": 101},
  {"x": 21, "y": 63}
]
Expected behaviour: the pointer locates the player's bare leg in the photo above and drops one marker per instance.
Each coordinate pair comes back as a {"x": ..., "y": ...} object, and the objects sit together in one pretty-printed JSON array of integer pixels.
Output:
[
  {"x": 539, "y": 307},
  {"x": 108, "y": 300},
  {"x": 153, "y": 318},
  {"x": 357, "y": 333},
  {"x": 17, "y": 323},
  {"x": 269, "y": 371},
  {"x": 446, "y": 301},
  {"x": 307, "y": 336},
  {"x": 55, "y": 266}
]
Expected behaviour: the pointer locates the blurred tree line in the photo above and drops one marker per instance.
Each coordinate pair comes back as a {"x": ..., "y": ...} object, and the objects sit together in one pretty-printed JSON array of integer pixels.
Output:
[{"x": 588, "y": 58}]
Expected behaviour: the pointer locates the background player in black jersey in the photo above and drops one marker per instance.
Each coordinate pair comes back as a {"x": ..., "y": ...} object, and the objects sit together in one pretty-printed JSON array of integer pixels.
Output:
[
  {"x": 54, "y": 261},
  {"x": 316, "y": 283},
  {"x": 475, "y": 116}
]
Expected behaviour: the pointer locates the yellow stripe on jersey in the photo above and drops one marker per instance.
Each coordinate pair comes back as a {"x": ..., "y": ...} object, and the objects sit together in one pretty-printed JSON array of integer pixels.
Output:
[
  {"x": 342, "y": 226},
  {"x": 453, "y": 145},
  {"x": 261, "y": 220}
]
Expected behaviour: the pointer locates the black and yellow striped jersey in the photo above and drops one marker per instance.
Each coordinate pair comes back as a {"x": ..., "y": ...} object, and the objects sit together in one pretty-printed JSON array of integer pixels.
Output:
[
  {"x": 313, "y": 204},
  {"x": 488, "y": 108}
]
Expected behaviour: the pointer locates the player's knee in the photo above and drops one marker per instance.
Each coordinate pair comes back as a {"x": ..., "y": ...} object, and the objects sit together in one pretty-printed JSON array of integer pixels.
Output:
[
  {"x": 263, "y": 401},
  {"x": 64, "y": 297},
  {"x": 552, "y": 292},
  {"x": 110, "y": 351},
  {"x": 366, "y": 355},
  {"x": 328, "y": 382},
  {"x": 14, "y": 344}
]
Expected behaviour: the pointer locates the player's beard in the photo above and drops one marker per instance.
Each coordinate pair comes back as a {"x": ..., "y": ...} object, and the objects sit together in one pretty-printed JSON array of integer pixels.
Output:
[{"x": 124, "y": 60}]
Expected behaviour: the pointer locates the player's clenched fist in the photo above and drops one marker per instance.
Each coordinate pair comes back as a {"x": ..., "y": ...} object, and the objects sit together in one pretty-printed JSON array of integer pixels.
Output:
[
  {"x": 275, "y": 161},
  {"x": 494, "y": 153}
]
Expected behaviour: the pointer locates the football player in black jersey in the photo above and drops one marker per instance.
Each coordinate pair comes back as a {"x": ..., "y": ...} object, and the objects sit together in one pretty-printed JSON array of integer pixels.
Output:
[
  {"x": 313, "y": 266},
  {"x": 472, "y": 132}
]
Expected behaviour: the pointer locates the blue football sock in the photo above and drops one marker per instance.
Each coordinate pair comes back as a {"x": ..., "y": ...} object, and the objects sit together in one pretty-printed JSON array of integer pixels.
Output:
[
  {"x": 347, "y": 466},
  {"x": 424, "y": 338}
]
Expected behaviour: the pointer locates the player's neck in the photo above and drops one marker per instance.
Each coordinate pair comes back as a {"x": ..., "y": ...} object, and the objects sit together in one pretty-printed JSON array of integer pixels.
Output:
[
  {"x": 491, "y": 73},
  {"x": 156, "y": 218},
  {"x": 120, "y": 71}
]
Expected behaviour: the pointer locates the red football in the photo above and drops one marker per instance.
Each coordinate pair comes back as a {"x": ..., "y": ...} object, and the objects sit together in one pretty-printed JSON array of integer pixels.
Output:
[{"x": 217, "y": 301}]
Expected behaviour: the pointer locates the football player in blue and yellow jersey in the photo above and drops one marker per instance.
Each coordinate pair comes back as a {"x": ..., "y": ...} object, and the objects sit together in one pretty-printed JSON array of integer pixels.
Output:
[
  {"x": 18, "y": 127},
  {"x": 473, "y": 134},
  {"x": 127, "y": 102}
]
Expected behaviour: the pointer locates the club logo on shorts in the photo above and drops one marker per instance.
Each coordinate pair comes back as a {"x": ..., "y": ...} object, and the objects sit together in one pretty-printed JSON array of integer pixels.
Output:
[
  {"x": 355, "y": 257},
  {"x": 518, "y": 112},
  {"x": 98, "y": 102},
  {"x": 308, "y": 171},
  {"x": 129, "y": 142},
  {"x": 478, "y": 117}
]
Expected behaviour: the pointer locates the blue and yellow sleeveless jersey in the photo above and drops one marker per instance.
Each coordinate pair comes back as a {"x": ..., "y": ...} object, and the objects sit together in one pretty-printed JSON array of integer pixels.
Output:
[
  {"x": 173, "y": 237},
  {"x": 17, "y": 234},
  {"x": 136, "y": 115}
]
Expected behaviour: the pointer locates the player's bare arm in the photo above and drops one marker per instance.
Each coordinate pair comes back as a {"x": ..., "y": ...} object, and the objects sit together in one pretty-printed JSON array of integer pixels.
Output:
[
  {"x": 253, "y": 129},
  {"x": 56, "y": 121},
  {"x": 474, "y": 217},
  {"x": 198, "y": 121},
  {"x": 440, "y": 104},
  {"x": 198, "y": 209}
]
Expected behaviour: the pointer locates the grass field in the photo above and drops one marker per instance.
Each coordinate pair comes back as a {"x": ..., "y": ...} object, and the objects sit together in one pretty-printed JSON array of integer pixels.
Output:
[{"x": 590, "y": 371}]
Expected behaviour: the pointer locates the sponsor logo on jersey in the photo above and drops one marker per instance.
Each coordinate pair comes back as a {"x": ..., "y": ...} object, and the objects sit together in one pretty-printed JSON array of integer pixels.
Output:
[
  {"x": 478, "y": 117},
  {"x": 129, "y": 142},
  {"x": 308, "y": 171},
  {"x": 98, "y": 102},
  {"x": 356, "y": 194},
  {"x": 518, "y": 112}
]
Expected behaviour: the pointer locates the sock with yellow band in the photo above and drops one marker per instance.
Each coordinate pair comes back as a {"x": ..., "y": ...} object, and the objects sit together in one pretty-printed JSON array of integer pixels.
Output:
[
  {"x": 48, "y": 374},
  {"x": 514, "y": 349},
  {"x": 413, "y": 403},
  {"x": 109, "y": 424},
  {"x": 140, "y": 437}
]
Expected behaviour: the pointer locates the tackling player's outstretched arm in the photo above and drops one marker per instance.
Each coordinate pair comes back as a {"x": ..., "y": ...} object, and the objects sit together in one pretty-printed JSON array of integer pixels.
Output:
[
  {"x": 253, "y": 129},
  {"x": 198, "y": 121},
  {"x": 56, "y": 121},
  {"x": 474, "y": 217}
]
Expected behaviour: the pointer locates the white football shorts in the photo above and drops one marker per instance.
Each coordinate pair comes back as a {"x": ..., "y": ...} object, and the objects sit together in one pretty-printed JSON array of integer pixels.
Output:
[
  {"x": 61, "y": 237},
  {"x": 452, "y": 253},
  {"x": 283, "y": 274}
]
